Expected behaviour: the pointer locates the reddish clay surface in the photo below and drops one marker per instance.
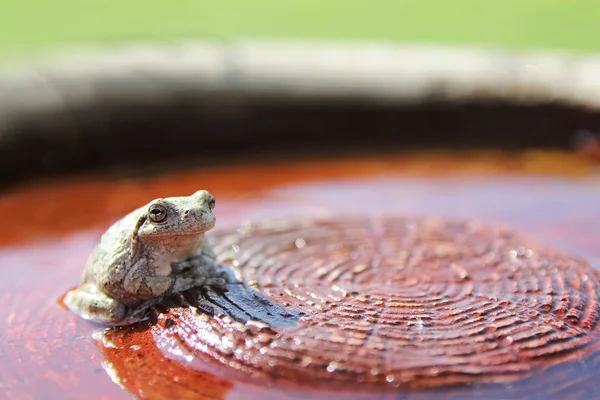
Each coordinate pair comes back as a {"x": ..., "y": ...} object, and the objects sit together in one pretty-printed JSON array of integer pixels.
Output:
[
  {"x": 394, "y": 301},
  {"x": 47, "y": 352}
]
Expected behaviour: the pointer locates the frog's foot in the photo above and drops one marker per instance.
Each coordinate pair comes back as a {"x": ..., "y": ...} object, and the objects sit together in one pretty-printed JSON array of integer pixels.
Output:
[
  {"x": 91, "y": 304},
  {"x": 200, "y": 275},
  {"x": 218, "y": 281},
  {"x": 200, "y": 261},
  {"x": 179, "y": 267}
]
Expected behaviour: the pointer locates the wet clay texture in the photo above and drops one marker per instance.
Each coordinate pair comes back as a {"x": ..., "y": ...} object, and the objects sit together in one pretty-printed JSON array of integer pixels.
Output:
[
  {"x": 389, "y": 302},
  {"x": 47, "y": 352}
]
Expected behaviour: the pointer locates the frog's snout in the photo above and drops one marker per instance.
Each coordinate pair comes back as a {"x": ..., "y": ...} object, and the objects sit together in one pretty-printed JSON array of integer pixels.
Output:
[
  {"x": 199, "y": 216},
  {"x": 203, "y": 194}
]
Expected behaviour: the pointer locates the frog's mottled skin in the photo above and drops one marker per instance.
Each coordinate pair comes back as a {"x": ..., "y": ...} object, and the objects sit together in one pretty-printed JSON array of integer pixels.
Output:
[{"x": 138, "y": 261}]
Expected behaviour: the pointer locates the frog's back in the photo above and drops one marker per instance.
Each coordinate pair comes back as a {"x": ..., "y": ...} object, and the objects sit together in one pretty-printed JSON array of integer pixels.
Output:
[{"x": 113, "y": 250}]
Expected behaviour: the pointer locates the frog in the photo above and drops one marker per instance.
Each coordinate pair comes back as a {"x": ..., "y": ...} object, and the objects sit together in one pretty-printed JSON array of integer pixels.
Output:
[{"x": 154, "y": 251}]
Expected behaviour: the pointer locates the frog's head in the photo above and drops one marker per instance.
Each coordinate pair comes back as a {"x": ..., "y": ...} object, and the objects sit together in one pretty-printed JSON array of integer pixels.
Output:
[{"x": 176, "y": 216}]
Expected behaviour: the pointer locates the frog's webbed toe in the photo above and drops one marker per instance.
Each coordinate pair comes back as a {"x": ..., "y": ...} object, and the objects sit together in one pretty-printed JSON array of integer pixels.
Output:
[
  {"x": 194, "y": 263},
  {"x": 201, "y": 273},
  {"x": 181, "y": 266},
  {"x": 218, "y": 280},
  {"x": 92, "y": 304},
  {"x": 217, "y": 283}
]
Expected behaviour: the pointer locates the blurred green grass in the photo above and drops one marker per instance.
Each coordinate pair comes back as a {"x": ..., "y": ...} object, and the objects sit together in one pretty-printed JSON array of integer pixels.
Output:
[{"x": 28, "y": 26}]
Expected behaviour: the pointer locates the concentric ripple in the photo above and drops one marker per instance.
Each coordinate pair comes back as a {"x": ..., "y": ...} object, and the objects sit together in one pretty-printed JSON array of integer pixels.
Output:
[{"x": 392, "y": 301}]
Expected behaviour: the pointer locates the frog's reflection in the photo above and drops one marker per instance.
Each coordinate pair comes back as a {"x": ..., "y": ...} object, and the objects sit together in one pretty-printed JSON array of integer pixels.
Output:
[
  {"x": 133, "y": 357},
  {"x": 154, "y": 251},
  {"x": 135, "y": 363}
]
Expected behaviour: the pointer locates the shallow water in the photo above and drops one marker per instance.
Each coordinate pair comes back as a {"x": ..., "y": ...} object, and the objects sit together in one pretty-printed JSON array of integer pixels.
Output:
[{"x": 47, "y": 352}]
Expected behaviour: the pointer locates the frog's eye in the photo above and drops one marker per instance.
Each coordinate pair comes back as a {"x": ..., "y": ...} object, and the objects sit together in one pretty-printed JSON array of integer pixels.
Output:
[
  {"x": 157, "y": 212},
  {"x": 211, "y": 203}
]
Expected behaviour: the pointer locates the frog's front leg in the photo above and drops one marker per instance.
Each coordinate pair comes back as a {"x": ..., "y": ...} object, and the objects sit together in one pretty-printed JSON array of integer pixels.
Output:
[
  {"x": 207, "y": 250},
  {"x": 141, "y": 283},
  {"x": 96, "y": 306},
  {"x": 203, "y": 271}
]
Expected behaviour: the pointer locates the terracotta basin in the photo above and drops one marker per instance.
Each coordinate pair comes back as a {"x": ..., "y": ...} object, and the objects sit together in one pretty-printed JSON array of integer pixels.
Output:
[{"x": 399, "y": 222}]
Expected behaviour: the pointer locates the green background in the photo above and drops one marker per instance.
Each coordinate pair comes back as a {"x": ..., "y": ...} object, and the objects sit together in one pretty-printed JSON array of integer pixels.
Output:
[{"x": 27, "y": 26}]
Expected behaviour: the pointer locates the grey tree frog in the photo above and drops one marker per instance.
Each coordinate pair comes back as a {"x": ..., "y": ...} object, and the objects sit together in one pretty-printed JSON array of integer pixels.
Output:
[{"x": 154, "y": 251}]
